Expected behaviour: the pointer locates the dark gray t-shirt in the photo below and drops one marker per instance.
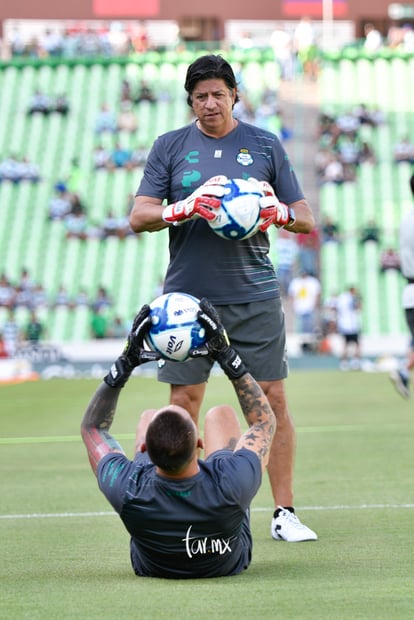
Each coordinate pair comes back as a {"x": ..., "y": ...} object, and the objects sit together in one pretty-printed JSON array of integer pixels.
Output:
[
  {"x": 202, "y": 263},
  {"x": 195, "y": 527}
]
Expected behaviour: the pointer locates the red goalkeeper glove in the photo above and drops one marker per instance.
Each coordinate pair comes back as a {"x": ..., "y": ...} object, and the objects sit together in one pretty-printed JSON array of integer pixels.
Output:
[
  {"x": 272, "y": 211},
  {"x": 201, "y": 203}
]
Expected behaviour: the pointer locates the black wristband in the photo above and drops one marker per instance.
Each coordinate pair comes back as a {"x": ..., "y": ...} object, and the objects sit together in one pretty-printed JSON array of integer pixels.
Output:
[
  {"x": 231, "y": 363},
  {"x": 119, "y": 373}
]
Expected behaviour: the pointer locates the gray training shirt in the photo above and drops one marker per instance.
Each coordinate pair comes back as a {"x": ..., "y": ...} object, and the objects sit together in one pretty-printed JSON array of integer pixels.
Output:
[
  {"x": 202, "y": 263},
  {"x": 193, "y": 527}
]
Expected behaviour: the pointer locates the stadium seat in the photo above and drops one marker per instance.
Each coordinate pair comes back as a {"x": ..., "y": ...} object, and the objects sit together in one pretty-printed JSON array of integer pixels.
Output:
[{"x": 80, "y": 324}]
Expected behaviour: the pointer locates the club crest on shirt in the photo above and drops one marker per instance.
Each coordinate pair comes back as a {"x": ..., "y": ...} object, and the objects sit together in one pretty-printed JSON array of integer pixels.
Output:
[{"x": 244, "y": 158}]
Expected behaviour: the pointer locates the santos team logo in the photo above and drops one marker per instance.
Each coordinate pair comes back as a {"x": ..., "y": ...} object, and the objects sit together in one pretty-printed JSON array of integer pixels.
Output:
[{"x": 244, "y": 158}]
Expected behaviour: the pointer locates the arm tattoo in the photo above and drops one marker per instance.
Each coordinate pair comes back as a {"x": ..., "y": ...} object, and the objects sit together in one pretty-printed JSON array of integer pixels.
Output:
[
  {"x": 231, "y": 444},
  {"x": 96, "y": 423},
  {"x": 258, "y": 414}
]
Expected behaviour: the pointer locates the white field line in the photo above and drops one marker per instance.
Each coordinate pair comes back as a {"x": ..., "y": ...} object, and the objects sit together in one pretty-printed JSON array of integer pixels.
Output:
[
  {"x": 72, "y": 515},
  {"x": 340, "y": 428}
]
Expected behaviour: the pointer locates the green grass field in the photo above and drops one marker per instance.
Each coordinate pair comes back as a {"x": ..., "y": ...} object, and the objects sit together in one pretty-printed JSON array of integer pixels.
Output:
[{"x": 64, "y": 554}]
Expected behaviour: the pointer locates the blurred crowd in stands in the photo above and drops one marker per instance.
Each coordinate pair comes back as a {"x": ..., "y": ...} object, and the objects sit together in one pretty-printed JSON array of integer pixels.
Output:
[
  {"x": 298, "y": 44},
  {"x": 79, "y": 39},
  {"x": 400, "y": 36},
  {"x": 342, "y": 148},
  {"x": 70, "y": 209},
  {"x": 24, "y": 292},
  {"x": 24, "y": 306},
  {"x": 16, "y": 169},
  {"x": 343, "y": 144},
  {"x": 40, "y": 103}
]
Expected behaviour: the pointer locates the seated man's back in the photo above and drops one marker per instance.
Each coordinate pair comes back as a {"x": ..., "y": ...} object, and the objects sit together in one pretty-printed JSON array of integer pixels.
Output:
[{"x": 179, "y": 527}]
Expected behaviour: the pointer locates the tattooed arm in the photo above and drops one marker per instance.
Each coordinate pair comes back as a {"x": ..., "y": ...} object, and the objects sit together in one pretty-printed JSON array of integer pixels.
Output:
[
  {"x": 101, "y": 410},
  {"x": 252, "y": 399},
  {"x": 259, "y": 416},
  {"x": 97, "y": 422}
]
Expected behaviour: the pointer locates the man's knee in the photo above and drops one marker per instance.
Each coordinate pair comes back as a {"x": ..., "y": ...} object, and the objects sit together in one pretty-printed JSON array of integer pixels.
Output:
[
  {"x": 189, "y": 397},
  {"x": 275, "y": 393},
  {"x": 141, "y": 429},
  {"x": 221, "y": 429},
  {"x": 220, "y": 415},
  {"x": 146, "y": 416}
]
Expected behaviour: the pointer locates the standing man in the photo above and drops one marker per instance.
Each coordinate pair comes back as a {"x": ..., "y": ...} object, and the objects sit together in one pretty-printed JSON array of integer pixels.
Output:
[
  {"x": 305, "y": 293},
  {"x": 186, "y": 169},
  {"x": 348, "y": 321},
  {"x": 34, "y": 331},
  {"x": 187, "y": 517},
  {"x": 12, "y": 333},
  {"x": 401, "y": 377}
]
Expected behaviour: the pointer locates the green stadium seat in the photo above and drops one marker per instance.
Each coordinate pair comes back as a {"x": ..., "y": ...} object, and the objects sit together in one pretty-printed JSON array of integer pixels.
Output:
[
  {"x": 109, "y": 262},
  {"x": 80, "y": 324},
  {"x": 60, "y": 324},
  {"x": 369, "y": 285},
  {"x": 90, "y": 274},
  {"x": 8, "y": 202},
  {"x": 52, "y": 253},
  {"x": 17, "y": 233},
  {"x": 8, "y": 102}
]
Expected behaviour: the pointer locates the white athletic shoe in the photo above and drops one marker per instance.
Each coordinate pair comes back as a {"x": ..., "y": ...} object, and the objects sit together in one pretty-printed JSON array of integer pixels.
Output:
[
  {"x": 286, "y": 526},
  {"x": 401, "y": 383}
]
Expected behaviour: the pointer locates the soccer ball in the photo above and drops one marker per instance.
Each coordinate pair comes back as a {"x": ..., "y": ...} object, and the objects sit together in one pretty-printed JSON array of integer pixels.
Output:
[
  {"x": 238, "y": 216},
  {"x": 175, "y": 329}
]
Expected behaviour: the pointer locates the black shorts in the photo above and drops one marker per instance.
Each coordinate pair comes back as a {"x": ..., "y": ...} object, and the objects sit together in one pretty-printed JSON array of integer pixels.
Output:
[
  {"x": 256, "y": 330},
  {"x": 351, "y": 338}
]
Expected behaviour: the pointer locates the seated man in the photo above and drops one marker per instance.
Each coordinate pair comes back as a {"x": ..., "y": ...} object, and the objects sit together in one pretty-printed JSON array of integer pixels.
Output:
[
  {"x": 120, "y": 157},
  {"x": 389, "y": 259},
  {"x": 59, "y": 205},
  {"x": 114, "y": 226},
  {"x": 76, "y": 226},
  {"x": 404, "y": 151},
  {"x": 370, "y": 232},
  {"x": 127, "y": 121},
  {"x": 105, "y": 120},
  {"x": 145, "y": 93},
  {"x": 187, "y": 517},
  {"x": 61, "y": 105},
  {"x": 39, "y": 104}
]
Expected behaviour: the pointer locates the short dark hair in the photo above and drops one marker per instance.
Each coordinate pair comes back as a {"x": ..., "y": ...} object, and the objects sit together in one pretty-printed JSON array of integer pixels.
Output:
[
  {"x": 170, "y": 441},
  {"x": 209, "y": 67},
  {"x": 412, "y": 184}
]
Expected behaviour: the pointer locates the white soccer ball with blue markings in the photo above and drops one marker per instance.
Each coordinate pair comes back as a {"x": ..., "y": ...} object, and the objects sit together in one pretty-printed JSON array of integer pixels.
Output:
[
  {"x": 238, "y": 217},
  {"x": 175, "y": 329}
]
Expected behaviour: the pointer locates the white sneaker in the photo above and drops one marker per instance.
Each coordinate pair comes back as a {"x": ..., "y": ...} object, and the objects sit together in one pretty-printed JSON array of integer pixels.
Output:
[{"x": 286, "y": 526}]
